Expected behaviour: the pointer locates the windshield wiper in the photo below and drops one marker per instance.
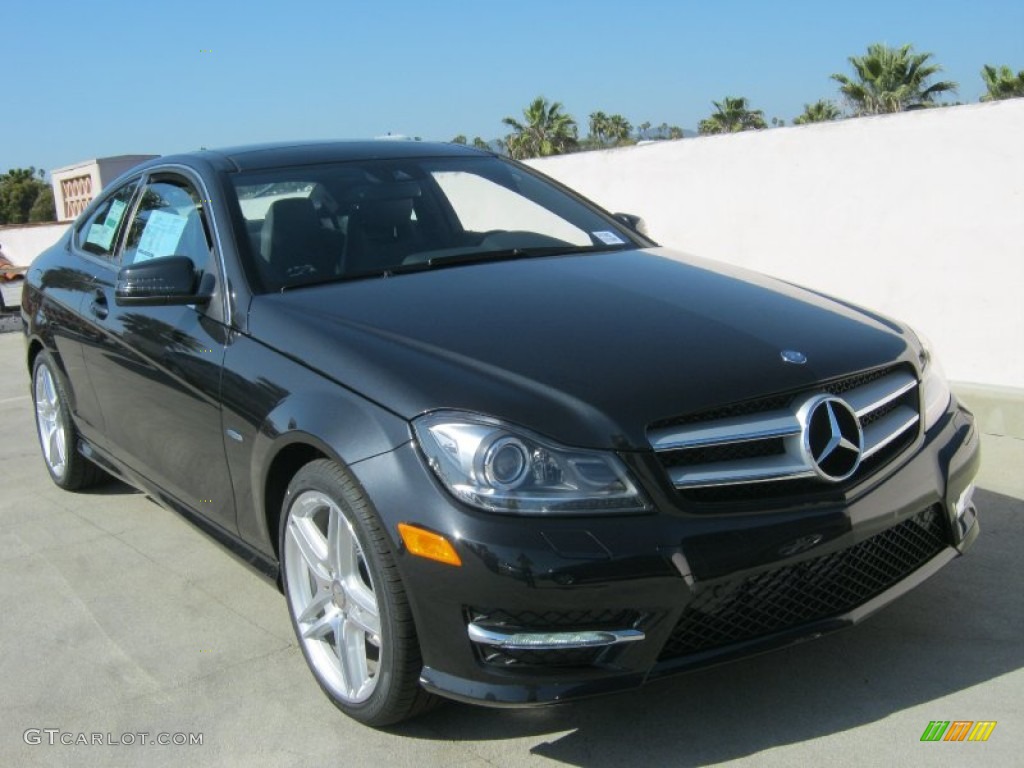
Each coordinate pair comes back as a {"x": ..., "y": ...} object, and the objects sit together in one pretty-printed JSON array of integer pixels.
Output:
[
  {"x": 508, "y": 254},
  {"x": 456, "y": 259},
  {"x": 315, "y": 281}
]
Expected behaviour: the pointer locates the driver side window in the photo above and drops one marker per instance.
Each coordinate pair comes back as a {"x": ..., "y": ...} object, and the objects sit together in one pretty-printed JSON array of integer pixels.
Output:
[{"x": 168, "y": 222}]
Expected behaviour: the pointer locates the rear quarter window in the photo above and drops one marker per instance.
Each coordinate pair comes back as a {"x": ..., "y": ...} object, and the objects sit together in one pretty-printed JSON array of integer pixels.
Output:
[{"x": 100, "y": 231}]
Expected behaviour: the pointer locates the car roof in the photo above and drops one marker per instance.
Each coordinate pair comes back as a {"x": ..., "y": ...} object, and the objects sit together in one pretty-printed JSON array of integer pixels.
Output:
[{"x": 281, "y": 154}]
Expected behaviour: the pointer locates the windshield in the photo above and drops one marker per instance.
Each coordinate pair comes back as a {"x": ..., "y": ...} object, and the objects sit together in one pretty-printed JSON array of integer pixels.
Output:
[{"x": 312, "y": 224}]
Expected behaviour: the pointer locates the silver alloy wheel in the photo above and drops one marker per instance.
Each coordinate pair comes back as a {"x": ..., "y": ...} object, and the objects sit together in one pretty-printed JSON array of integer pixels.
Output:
[
  {"x": 49, "y": 421},
  {"x": 332, "y": 597}
]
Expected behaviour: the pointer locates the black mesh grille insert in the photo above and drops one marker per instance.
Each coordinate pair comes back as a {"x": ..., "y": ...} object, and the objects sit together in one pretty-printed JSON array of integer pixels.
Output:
[{"x": 781, "y": 599}]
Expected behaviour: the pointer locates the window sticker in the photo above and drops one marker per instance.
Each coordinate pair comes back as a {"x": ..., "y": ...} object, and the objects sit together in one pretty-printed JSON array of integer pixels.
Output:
[
  {"x": 117, "y": 209},
  {"x": 161, "y": 235},
  {"x": 103, "y": 234},
  {"x": 100, "y": 235},
  {"x": 608, "y": 238}
]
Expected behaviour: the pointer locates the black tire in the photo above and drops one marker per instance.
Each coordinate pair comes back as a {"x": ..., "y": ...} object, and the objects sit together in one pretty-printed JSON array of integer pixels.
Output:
[
  {"x": 320, "y": 489},
  {"x": 68, "y": 468}
]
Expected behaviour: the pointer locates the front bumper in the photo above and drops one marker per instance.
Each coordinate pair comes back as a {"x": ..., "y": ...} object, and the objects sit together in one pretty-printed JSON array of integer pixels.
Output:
[{"x": 701, "y": 589}]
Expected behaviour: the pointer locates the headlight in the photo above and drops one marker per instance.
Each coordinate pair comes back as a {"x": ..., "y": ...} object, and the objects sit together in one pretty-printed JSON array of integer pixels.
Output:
[
  {"x": 509, "y": 470},
  {"x": 934, "y": 387}
]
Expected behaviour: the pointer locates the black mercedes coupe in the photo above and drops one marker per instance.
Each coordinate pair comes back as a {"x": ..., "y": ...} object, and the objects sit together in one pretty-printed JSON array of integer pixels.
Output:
[{"x": 492, "y": 443}]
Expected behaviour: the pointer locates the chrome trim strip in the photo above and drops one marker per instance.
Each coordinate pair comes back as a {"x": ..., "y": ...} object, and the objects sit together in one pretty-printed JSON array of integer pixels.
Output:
[
  {"x": 735, "y": 429},
  {"x": 880, "y": 392},
  {"x": 497, "y": 639},
  {"x": 888, "y": 428},
  {"x": 759, "y": 470}
]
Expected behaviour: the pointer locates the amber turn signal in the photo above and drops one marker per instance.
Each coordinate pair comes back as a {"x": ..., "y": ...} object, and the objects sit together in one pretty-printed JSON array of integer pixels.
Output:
[{"x": 432, "y": 546}]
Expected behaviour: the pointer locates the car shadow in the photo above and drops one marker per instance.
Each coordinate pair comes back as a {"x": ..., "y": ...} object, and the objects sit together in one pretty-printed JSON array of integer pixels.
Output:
[
  {"x": 110, "y": 487},
  {"x": 959, "y": 629}
]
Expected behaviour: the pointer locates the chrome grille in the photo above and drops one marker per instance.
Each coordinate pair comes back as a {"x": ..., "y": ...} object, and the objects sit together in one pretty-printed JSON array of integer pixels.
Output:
[{"x": 760, "y": 442}]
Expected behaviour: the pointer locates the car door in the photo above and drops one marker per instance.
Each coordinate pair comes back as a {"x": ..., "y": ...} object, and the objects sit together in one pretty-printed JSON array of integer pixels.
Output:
[
  {"x": 67, "y": 287},
  {"x": 156, "y": 370}
]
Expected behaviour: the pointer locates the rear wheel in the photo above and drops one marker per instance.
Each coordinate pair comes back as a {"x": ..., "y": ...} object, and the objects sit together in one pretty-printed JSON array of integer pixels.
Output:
[
  {"x": 346, "y": 600},
  {"x": 58, "y": 437}
]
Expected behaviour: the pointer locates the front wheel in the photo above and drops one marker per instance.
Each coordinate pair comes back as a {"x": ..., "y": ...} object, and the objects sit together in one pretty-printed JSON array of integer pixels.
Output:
[{"x": 346, "y": 600}]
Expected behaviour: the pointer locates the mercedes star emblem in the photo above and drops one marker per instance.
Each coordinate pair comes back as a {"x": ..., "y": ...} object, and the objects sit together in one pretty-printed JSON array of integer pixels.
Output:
[{"x": 832, "y": 440}]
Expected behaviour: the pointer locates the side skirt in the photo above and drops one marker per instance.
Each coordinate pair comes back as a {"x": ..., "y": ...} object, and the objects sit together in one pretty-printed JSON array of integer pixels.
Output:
[{"x": 264, "y": 566}]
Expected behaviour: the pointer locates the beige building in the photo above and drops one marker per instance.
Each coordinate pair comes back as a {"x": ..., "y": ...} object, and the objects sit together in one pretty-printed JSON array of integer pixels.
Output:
[{"x": 74, "y": 186}]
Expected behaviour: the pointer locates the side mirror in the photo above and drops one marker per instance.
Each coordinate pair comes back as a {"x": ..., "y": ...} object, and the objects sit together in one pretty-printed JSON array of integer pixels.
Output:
[
  {"x": 157, "y": 282},
  {"x": 632, "y": 221}
]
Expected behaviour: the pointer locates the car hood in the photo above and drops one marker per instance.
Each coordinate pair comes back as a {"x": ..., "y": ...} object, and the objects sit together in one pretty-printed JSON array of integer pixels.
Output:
[{"x": 587, "y": 349}]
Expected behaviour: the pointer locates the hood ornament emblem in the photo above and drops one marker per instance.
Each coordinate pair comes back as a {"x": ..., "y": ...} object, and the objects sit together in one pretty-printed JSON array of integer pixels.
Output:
[{"x": 794, "y": 357}]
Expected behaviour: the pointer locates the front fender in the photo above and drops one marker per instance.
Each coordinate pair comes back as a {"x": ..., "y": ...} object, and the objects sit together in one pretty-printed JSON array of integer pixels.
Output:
[
  {"x": 338, "y": 423},
  {"x": 275, "y": 407}
]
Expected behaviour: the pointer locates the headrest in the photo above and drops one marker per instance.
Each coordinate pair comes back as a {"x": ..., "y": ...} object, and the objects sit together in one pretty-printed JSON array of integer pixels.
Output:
[
  {"x": 392, "y": 190},
  {"x": 293, "y": 211},
  {"x": 384, "y": 214},
  {"x": 289, "y": 225}
]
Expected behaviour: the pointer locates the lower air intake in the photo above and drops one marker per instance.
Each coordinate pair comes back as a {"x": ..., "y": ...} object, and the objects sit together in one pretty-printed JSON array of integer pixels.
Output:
[{"x": 769, "y": 602}]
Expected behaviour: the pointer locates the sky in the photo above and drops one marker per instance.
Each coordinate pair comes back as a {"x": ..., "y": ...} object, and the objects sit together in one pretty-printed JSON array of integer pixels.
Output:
[{"x": 93, "y": 79}]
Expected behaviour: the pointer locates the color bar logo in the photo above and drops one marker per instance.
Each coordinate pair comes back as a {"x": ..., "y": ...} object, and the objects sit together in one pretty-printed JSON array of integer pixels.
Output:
[{"x": 958, "y": 730}]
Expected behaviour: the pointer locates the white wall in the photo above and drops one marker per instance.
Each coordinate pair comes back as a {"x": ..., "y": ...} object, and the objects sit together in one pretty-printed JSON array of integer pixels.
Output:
[
  {"x": 918, "y": 215},
  {"x": 22, "y": 243}
]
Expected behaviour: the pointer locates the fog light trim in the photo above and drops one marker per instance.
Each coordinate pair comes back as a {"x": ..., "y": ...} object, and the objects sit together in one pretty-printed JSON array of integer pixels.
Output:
[
  {"x": 552, "y": 641},
  {"x": 965, "y": 502}
]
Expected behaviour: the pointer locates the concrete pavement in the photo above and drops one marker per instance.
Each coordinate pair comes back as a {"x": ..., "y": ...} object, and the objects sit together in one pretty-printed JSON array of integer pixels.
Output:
[{"x": 120, "y": 618}]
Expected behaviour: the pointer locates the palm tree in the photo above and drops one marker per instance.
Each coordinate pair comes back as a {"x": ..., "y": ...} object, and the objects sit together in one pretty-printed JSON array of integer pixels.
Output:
[
  {"x": 675, "y": 132},
  {"x": 598, "y": 127},
  {"x": 821, "y": 111},
  {"x": 642, "y": 129},
  {"x": 732, "y": 115},
  {"x": 460, "y": 139},
  {"x": 1002, "y": 83},
  {"x": 891, "y": 80},
  {"x": 480, "y": 143},
  {"x": 619, "y": 129},
  {"x": 547, "y": 131}
]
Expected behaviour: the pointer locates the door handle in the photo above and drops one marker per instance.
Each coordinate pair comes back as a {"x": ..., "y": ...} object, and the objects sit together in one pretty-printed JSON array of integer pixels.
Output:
[{"x": 98, "y": 305}]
